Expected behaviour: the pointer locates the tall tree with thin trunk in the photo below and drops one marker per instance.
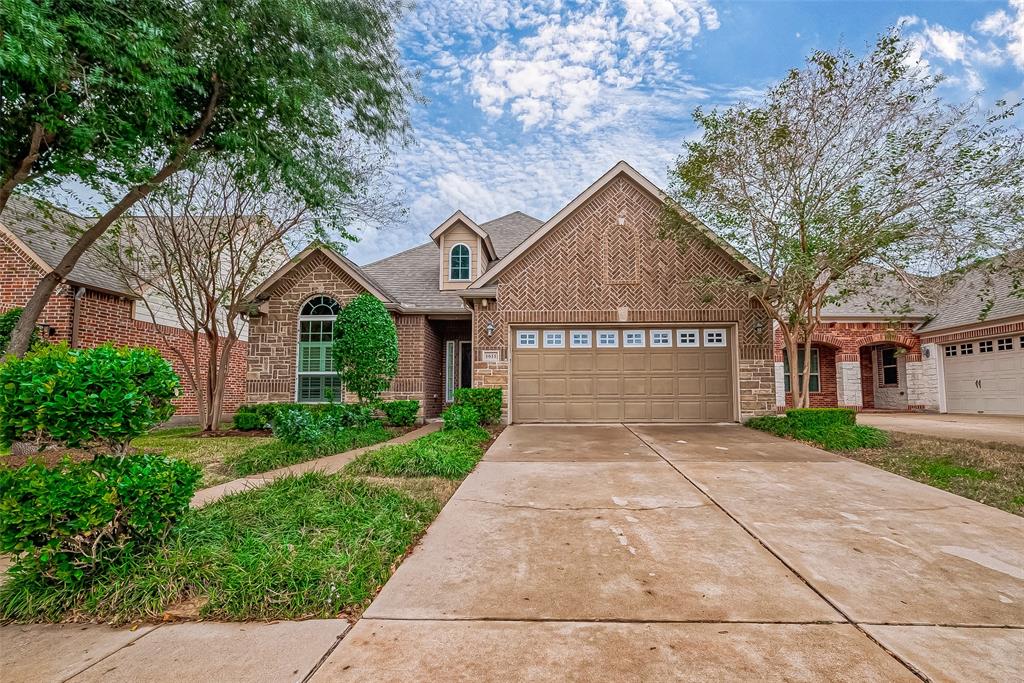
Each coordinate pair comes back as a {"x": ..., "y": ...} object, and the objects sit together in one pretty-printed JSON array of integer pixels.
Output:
[
  {"x": 283, "y": 87},
  {"x": 850, "y": 169}
]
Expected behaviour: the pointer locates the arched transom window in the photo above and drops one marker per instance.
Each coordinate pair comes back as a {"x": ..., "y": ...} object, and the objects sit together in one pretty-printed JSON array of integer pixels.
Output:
[
  {"x": 459, "y": 263},
  {"x": 317, "y": 381}
]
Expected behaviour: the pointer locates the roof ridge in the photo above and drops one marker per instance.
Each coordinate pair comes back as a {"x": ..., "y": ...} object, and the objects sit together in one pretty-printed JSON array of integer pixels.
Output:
[{"x": 399, "y": 253}]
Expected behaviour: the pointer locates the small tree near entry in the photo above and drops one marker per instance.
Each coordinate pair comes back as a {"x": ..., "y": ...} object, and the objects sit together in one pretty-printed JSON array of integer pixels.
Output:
[
  {"x": 849, "y": 171},
  {"x": 366, "y": 347}
]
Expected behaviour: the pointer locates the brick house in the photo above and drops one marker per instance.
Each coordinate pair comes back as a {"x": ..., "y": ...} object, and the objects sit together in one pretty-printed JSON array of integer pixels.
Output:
[
  {"x": 943, "y": 358},
  {"x": 93, "y": 305},
  {"x": 586, "y": 317}
]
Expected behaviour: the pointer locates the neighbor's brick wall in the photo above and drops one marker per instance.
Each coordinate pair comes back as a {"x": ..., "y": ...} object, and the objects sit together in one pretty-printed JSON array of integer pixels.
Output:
[
  {"x": 590, "y": 269},
  {"x": 108, "y": 318}
]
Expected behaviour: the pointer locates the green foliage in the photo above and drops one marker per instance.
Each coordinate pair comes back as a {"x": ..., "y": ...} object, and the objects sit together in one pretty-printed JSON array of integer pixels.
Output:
[
  {"x": 80, "y": 397},
  {"x": 366, "y": 347},
  {"x": 278, "y": 453},
  {"x": 401, "y": 413},
  {"x": 833, "y": 429},
  {"x": 451, "y": 454},
  {"x": 487, "y": 403},
  {"x": 248, "y": 421},
  {"x": 287, "y": 86},
  {"x": 264, "y": 411},
  {"x": 70, "y": 522},
  {"x": 819, "y": 418},
  {"x": 460, "y": 417},
  {"x": 310, "y": 546},
  {"x": 7, "y": 322},
  {"x": 303, "y": 424}
]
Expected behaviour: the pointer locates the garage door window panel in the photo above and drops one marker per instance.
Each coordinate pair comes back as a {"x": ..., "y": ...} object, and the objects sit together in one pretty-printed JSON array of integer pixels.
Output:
[
  {"x": 607, "y": 339},
  {"x": 634, "y": 338},
  {"x": 951, "y": 351},
  {"x": 554, "y": 339},
  {"x": 581, "y": 339},
  {"x": 714, "y": 337},
  {"x": 1005, "y": 344},
  {"x": 966, "y": 349},
  {"x": 661, "y": 337},
  {"x": 985, "y": 346},
  {"x": 685, "y": 338},
  {"x": 526, "y": 339}
]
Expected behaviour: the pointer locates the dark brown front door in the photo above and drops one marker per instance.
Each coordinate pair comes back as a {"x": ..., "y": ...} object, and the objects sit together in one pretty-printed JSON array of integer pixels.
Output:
[{"x": 465, "y": 364}]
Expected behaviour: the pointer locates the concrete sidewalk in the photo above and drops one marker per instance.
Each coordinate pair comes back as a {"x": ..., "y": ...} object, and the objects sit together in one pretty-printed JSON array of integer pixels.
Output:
[{"x": 994, "y": 428}]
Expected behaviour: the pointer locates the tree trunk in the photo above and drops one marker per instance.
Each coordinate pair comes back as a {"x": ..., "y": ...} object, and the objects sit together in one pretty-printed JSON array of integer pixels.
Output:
[{"x": 24, "y": 166}]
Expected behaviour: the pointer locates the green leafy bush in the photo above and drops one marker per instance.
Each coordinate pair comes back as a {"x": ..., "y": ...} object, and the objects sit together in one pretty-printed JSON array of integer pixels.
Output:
[
  {"x": 65, "y": 523},
  {"x": 8, "y": 321},
  {"x": 269, "y": 456},
  {"x": 248, "y": 421},
  {"x": 451, "y": 454},
  {"x": 401, "y": 413},
  {"x": 487, "y": 403},
  {"x": 820, "y": 418},
  {"x": 365, "y": 347},
  {"x": 80, "y": 397},
  {"x": 833, "y": 429},
  {"x": 265, "y": 413},
  {"x": 299, "y": 424},
  {"x": 460, "y": 417}
]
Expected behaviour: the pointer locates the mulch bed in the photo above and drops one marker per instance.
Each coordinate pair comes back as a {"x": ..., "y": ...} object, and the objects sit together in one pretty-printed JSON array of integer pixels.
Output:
[
  {"x": 231, "y": 432},
  {"x": 49, "y": 457}
]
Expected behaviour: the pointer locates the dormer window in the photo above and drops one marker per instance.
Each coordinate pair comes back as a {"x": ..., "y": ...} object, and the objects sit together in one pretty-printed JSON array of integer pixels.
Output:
[{"x": 458, "y": 263}]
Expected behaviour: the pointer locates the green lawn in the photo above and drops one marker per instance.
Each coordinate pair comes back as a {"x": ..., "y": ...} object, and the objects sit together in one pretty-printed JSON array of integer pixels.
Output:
[
  {"x": 315, "y": 545},
  {"x": 989, "y": 473},
  {"x": 274, "y": 454},
  {"x": 210, "y": 453},
  {"x": 446, "y": 454}
]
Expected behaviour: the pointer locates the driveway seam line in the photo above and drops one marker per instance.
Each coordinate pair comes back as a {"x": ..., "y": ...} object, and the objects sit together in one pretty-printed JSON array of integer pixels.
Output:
[
  {"x": 554, "y": 620},
  {"x": 328, "y": 653},
  {"x": 108, "y": 656},
  {"x": 774, "y": 554}
]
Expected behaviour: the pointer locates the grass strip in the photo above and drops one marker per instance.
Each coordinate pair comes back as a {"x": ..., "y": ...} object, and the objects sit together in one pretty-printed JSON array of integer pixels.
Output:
[
  {"x": 450, "y": 454},
  {"x": 276, "y": 453}
]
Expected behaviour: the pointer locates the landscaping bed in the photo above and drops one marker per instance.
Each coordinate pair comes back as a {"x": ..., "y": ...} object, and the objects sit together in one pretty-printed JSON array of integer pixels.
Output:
[{"x": 990, "y": 473}]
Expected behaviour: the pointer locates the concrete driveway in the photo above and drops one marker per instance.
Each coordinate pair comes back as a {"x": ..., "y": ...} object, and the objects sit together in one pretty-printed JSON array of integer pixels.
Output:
[
  {"x": 996, "y": 428},
  {"x": 695, "y": 553}
]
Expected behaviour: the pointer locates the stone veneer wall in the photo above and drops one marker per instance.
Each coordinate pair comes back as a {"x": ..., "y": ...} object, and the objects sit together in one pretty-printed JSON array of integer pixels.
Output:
[{"x": 589, "y": 269}]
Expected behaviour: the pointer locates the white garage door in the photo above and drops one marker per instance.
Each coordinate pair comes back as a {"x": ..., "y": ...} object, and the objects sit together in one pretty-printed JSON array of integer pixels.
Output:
[{"x": 985, "y": 376}]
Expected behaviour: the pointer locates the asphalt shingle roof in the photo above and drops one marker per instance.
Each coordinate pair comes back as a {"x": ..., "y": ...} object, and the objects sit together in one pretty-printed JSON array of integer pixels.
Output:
[
  {"x": 965, "y": 301},
  {"x": 50, "y": 232},
  {"x": 412, "y": 276}
]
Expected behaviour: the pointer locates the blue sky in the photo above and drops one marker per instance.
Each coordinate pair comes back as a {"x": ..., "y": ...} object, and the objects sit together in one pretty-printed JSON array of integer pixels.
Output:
[{"x": 528, "y": 102}]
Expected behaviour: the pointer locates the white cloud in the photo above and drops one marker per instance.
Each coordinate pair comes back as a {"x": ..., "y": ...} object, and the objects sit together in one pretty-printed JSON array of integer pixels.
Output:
[{"x": 1003, "y": 25}]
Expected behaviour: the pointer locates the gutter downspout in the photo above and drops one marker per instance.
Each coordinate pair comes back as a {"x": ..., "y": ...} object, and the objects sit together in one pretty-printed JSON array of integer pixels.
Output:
[{"x": 75, "y": 310}]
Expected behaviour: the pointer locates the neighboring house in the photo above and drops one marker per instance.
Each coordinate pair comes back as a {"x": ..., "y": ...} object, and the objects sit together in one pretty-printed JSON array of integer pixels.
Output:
[
  {"x": 94, "y": 305},
  {"x": 947, "y": 358},
  {"x": 587, "y": 317}
]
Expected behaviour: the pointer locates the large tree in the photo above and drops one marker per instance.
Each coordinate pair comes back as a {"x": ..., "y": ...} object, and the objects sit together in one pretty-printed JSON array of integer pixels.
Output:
[
  {"x": 849, "y": 170},
  {"x": 291, "y": 90}
]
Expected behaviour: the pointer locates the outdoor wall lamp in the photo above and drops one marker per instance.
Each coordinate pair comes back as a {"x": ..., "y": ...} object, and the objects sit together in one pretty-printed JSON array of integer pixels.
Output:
[
  {"x": 490, "y": 329},
  {"x": 758, "y": 328}
]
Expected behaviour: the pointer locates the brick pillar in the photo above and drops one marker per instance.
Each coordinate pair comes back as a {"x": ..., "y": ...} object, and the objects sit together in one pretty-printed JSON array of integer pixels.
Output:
[
  {"x": 848, "y": 387},
  {"x": 923, "y": 379}
]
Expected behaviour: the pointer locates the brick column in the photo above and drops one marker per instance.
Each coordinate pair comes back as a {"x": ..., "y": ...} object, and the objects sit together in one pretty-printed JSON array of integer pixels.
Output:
[{"x": 848, "y": 389}]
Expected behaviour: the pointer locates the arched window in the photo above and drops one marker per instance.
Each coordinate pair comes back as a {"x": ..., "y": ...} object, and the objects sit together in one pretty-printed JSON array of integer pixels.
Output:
[
  {"x": 317, "y": 381},
  {"x": 458, "y": 264}
]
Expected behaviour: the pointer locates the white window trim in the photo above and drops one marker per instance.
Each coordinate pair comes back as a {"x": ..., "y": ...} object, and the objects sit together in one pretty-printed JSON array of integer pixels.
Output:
[
  {"x": 713, "y": 330},
  {"x": 451, "y": 255},
  {"x": 561, "y": 335},
  {"x": 643, "y": 339},
  {"x": 299, "y": 373},
  {"x": 572, "y": 339},
  {"x": 688, "y": 331},
  {"x": 668, "y": 333},
  {"x": 613, "y": 345},
  {"x": 449, "y": 371},
  {"x": 519, "y": 339}
]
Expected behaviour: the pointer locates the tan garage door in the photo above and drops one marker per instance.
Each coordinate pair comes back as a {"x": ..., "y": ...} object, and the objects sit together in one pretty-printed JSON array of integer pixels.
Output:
[
  {"x": 641, "y": 374},
  {"x": 985, "y": 376}
]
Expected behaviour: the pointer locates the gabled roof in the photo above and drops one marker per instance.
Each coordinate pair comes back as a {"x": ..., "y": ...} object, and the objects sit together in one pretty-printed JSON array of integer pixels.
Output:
[
  {"x": 459, "y": 217},
  {"x": 621, "y": 168},
  {"x": 990, "y": 281},
  {"x": 46, "y": 233},
  {"x": 350, "y": 268}
]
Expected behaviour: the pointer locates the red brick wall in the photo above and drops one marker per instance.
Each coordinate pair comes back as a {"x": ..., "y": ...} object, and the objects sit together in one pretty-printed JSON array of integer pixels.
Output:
[
  {"x": 826, "y": 396},
  {"x": 106, "y": 318}
]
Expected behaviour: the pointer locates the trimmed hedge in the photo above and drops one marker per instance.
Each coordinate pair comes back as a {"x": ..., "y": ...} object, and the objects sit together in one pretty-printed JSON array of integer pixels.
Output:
[
  {"x": 833, "y": 429},
  {"x": 64, "y": 524},
  {"x": 401, "y": 413},
  {"x": 486, "y": 402},
  {"x": 248, "y": 421},
  {"x": 461, "y": 417}
]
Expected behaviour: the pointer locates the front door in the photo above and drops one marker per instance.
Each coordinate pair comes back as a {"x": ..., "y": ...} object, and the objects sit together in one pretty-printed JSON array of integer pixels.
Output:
[{"x": 465, "y": 364}]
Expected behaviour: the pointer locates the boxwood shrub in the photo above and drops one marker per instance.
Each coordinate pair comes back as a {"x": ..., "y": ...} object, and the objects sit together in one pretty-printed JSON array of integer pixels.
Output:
[
  {"x": 461, "y": 416},
  {"x": 401, "y": 413},
  {"x": 65, "y": 523},
  {"x": 248, "y": 421},
  {"x": 82, "y": 397},
  {"x": 486, "y": 402}
]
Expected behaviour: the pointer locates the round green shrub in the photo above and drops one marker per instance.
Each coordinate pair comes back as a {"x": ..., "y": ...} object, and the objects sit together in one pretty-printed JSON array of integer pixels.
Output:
[
  {"x": 401, "y": 413},
  {"x": 65, "y": 523},
  {"x": 365, "y": 347},
  {"x": 81, "y": 397},
  {"x": 487, "y": 402},
  {"x": 247, "y": 422},
  {"x": 461, "y": 417}
]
